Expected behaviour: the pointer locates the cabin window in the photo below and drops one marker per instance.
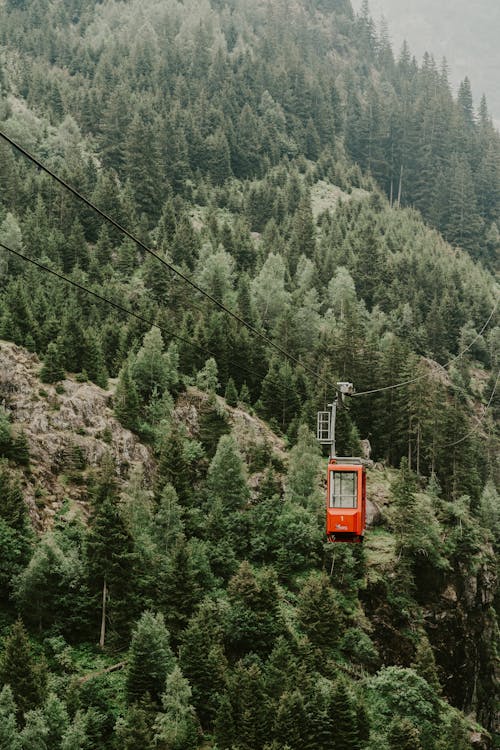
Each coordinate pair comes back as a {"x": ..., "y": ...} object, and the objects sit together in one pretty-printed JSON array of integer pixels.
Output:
[{"x": 343, "y": 489}]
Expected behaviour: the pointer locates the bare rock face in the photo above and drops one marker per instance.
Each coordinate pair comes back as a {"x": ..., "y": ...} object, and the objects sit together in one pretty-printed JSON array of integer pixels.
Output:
[
  {"x": 247, "y": 429},
  {"x": 70, "y": 429}
]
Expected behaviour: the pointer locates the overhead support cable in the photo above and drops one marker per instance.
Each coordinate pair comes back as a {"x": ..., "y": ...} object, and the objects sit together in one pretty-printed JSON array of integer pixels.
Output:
[
  {"x": 443, "y": 367},
  {"x": 132, "y": 313},
  {"x": 165, "y": 263},
  {"x": 480, "y": 420},
  {"x": 213, "y": 299}
]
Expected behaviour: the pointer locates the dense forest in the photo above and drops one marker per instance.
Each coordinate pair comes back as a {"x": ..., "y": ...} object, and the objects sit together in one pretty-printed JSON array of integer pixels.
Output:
[{"x": 327, "y": 200}]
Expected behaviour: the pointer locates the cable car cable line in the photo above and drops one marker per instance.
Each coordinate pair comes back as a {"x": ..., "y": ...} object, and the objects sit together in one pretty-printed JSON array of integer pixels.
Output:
[
  {"x": 443, "y": 367},
  {"x": 136, "y": 315},
  {"x": 480, "y": 419},
  {"x": 213, "y": 299},
  {"x": 165, "y": 263}
]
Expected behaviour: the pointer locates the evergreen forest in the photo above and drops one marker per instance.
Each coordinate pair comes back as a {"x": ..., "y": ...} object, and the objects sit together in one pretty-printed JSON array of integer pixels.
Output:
[{"x": 303, "y": 205}]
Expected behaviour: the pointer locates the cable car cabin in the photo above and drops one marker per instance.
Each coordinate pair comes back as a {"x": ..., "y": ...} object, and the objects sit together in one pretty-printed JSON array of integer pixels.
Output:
[{"x": 346, "y": 500}]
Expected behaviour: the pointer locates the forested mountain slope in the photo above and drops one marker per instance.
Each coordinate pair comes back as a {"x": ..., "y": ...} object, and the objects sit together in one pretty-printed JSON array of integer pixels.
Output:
[{"x": 343, "y": 205}]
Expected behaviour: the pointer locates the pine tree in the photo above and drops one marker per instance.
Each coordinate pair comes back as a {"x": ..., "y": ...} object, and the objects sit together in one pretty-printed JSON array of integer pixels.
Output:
[
  {"x": 93, "y": 359},
  {"x": 150, "y": 659},
  {"x": 111, "y": 559},
  {"x": 425, "y": 663},
  {"x": 345, "y": 720},
  {"x": 318, "y": 611},
  {"x": 231, "y": 394},
  {"x": 126, "y": 400},
  {"x": 207, "y": 378},
  {"x": 20, "y": 670},
  {"x": 57, "y": 719},
  {"x": 290, "y": 725},
  {"x": 52, "y": 370},
  {"x": 176, "y": 727},
  {"x": 76, "y": 736},
  {"x": 203, "y": 661},
  {"x": 279, "y": 398},
  {"x": 134, "y": 730},
  {"x": 185, "y": 244},
  {"x": 178, "y": 589},
  {"x": 226, "y": 480},
  {"x": 403, "y": 735},
  {"x": 149, "y": 367},
  {"x": 174, "y": 467},
  {"x": 9, "y": 736},
  {"x": 35, "y": 732}
]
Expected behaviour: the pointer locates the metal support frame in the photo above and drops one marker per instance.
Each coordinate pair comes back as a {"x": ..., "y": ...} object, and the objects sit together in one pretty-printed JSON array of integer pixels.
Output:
[{"x": 327, "y": 420}]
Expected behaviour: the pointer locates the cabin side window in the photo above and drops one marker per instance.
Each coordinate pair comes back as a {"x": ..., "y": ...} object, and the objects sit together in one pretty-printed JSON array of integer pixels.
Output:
[{"x": 343, "y": 489}]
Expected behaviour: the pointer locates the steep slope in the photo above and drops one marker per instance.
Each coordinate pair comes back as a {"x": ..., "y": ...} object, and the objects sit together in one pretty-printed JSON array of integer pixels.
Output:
[
  {"x": 279, "y": 156},
  {"x": 69, "y": 427}
]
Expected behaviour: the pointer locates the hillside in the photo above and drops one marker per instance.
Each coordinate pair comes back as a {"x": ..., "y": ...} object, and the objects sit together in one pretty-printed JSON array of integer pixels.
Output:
[
  {"x": 300, "y": 208},
  {"x": 382, "y": 622}
]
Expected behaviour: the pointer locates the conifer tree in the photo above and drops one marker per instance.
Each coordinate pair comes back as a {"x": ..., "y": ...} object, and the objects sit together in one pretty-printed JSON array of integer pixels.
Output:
[
  {"x": 20, "y": 670},
  {"x": 226, "y": 480},
  {"x": 345, "y": 719},
  {"x": 403, "y": 735},
  {"x": 425, "y": 663},
  {"x": 207, "y": 378},
  {"x": 176, "y": 727},
  {"x": 57, "y": 720},
  {"x": 111, "y": 559},
  {"x": 173, "y": 466},
  {"x": 203, "y": 661},
  {"x": 318, "y": 611},
  {"x": 149, "y": 368},
  {"x": 178, "y": 590},
  {"x": 76, "y": 737},
  {"x": 290, "y": 725},
  {"x": 150, "y": 659},
  {"x": 34, "y": 735},
  {"x": 9, "y": 736},
  {"x": 93, "y": 359},
  {"x": 52, "y": 370},
  {"x": 231, "y": 394},
  {"x": 134, "y": 730},
  {"x": 126, "y": 400}
]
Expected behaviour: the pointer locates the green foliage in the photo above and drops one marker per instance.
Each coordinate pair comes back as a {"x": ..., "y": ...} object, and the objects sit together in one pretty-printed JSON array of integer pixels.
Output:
[
  {"x": 231, "y": 394},
  {"x": 19, "y": 668},
  {"x": 134, "y": 730},
  {"x": 226, "y": 481},
  {"x": 252, "y": 147},
  {"x": 303, "y": 469},
  {"x": 318, "y": 612},
  {"x": 254, "y": 620},
  {"x": 9, "y": 737},
  {"x": 176, "y": 727},
  {"x": 207, "y": 378},
  {"x": 403, "y": 695},
  {"x": 126, "y": 400},
  {"x": 150, "y": 659},
  {"x": 51, "y": 591},
  {"x": 52, "y": 369},
  {"x": 151, "y": 369},
  {"x": 111, "y": 558}
]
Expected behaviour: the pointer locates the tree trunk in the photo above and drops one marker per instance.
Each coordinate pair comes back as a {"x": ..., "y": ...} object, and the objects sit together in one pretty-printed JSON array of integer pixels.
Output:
[
  {"x": 400, "y": 188},
  {"x": 103, "y": 614}
]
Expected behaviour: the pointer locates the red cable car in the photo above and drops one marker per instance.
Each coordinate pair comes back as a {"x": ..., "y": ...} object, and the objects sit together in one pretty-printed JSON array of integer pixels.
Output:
[{"x": 346, "y": 500}]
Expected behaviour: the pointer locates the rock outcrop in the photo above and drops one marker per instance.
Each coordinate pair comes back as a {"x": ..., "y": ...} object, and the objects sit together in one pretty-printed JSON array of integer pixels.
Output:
[{"x": 69, "y": 427}]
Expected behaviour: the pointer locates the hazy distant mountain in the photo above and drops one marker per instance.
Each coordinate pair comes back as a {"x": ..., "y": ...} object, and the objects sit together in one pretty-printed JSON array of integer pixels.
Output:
[{"x": 463, "y": 32}]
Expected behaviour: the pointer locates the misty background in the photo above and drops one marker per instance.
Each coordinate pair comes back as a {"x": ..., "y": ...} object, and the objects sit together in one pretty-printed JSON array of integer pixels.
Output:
[{"x": 465, "y": 33}]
